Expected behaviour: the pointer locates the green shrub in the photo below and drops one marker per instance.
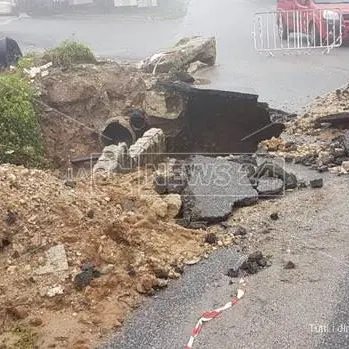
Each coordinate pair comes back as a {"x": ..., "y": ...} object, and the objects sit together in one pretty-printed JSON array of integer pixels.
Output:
[
  {"x": 20, "y": 136},
  {"x": 28, "y": 61},
  {"x": 68, "y": 53}
]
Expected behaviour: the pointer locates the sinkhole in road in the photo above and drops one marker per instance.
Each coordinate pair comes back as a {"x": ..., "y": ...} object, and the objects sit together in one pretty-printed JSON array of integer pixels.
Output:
[
  {"x": 220, "y": 122},
  {"x": 211, "y": 122}
]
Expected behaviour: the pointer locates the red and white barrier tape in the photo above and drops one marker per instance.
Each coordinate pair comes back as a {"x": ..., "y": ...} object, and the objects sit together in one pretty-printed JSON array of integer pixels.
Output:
[{"x": 208, "y": 316}]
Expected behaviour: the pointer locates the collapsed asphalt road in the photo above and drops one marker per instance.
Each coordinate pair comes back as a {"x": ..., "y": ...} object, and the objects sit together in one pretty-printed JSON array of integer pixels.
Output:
[
  {"x": 283, "y": 308},
  {"x": 286, "y": 82}
]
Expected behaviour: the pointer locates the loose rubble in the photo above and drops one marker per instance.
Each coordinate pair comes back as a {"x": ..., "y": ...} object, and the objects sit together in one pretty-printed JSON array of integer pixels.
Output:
[
  {"x": 289, "y": 265},
  {"x": 87, "y": 253},
  {"x": 319, "y": 138},
  {"x": 254, "y": 263}
]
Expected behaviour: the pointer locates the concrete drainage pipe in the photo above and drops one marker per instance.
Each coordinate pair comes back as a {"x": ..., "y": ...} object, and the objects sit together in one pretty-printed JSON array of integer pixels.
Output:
[{"x": 117, "y": 130}]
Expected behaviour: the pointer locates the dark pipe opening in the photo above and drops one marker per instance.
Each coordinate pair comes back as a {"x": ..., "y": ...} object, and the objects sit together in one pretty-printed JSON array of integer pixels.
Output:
[{"x": 115, "y": 133}]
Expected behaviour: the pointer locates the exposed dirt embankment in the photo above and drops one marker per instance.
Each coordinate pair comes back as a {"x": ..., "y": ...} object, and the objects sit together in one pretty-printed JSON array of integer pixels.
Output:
[{"x": 74, "y": 109}]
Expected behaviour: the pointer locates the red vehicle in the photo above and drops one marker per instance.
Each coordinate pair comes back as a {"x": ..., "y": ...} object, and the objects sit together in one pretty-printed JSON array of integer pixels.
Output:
[{"x": 321, "y": 20}]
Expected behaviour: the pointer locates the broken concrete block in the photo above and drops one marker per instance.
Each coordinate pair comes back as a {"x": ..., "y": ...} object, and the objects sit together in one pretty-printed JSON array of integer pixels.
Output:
[
  {"x": 214, "y": 187},
  {"x": 270, "y": 187},
  {"x": 163, "y": 103},
  {"x": 270, "y": 169},
  {"x": 56, "y": 261},
  {"x": 185, "y": 52},
  {"x": 337, "y": 119},
  {"x": 317, "y": 183},
  {"x": 114, "y": 159}
]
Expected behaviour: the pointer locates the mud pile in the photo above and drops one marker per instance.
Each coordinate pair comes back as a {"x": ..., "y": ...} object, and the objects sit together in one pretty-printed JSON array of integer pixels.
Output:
[{"x": 77, "y": 257}]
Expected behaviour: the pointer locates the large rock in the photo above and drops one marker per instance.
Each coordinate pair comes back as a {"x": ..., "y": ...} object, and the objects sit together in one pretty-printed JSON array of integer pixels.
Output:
[
  {"x": 174, "y": 202},
  {"x": 185, "y": 52},
  {"x": 164, "y": 104},
  {"x": 214, "y": 187}
]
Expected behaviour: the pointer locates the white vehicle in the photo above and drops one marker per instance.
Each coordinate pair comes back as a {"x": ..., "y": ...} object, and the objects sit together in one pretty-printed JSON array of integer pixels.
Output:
[
  {"x": 8, "y": 8},
  {"x": 33, "y": 7}
]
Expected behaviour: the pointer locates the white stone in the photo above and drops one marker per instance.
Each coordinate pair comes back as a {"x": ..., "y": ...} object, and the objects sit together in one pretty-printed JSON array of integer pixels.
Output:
[
  {"x": 54, "y": 291},
  {"x": 345, "y": 166},
  {"x": 160, "y": 208},
  {"x": 174, "y": 202},
  {"x": 56, "y": 261}
]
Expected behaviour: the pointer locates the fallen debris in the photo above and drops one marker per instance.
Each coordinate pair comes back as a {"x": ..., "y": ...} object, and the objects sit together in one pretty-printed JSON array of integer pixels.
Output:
[
  {"x": 182, "y": 55},
  {"x": 54, "y": 291},
  {"x": 56, "y": 261},
  {"x": 237, "y": 231},
  {"x": 289, "y": 265},
  {"x": 254, "y": 263},
  {"x": 89, "y": 272},
  {"x": 209, "y": 197},
  {"x": 42, "y": 70},
  {"x": 274, "y": 216},
  {"x": 317, "y": 183},
  {"x": 317, "y": 139},
  {"x": 273, "y": 170},
  {"x": 211, "y": 238},
  {"x": 270, "y": 187}
]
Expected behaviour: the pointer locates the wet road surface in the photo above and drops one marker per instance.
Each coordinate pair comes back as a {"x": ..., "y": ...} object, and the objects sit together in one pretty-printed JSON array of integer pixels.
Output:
[{"x": 282, "y": 309}]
